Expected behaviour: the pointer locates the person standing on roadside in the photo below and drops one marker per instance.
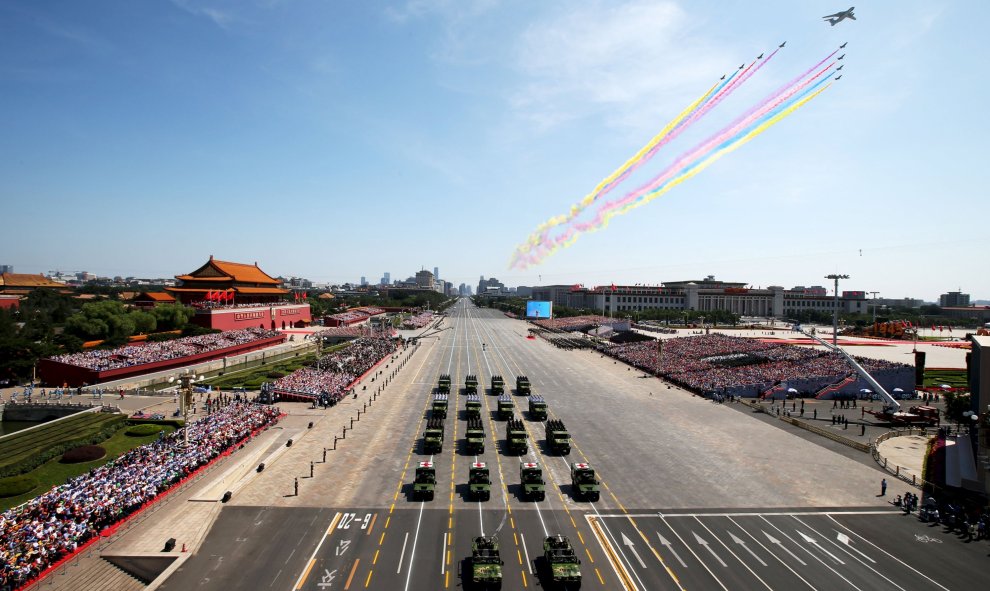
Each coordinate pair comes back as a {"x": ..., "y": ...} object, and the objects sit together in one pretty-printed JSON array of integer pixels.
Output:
[{"x": 883, "y": 487}]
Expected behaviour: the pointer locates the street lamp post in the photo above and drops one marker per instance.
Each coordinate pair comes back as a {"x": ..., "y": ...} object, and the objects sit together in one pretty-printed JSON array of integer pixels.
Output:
[{"x": 835, "y": 307}]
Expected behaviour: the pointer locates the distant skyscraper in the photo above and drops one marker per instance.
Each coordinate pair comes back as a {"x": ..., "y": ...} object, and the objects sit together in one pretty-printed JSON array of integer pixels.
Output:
[
  {"x": 436, "y": 273},
  {"x": 6, "y": 268},
  {"x": 364, "y": 281},
  {"x": 388, "y": 278}
]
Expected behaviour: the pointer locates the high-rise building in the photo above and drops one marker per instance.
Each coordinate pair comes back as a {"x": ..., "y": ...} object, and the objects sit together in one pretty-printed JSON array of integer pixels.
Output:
[
  {"x": 6, "y": 269},
  {"x": 424, "y": 279},
  {"x": 954, "y": 299},
  {"x": 364, "y": 281},
  {"x": 387, "y": 278},
  {"x": 436, "y": 273}
]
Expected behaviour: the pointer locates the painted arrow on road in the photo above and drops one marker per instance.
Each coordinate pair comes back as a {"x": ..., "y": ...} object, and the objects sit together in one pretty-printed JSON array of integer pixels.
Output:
[
  {"x": 665, "y": 542},
  {"x": 774, "y": 540},
  {"x": 815, "y": 543},
  {"x": 704, "y": 543},
  {"x": 746, "y": 548},
  {"x": 843, "y": 538},
  {"x": 627, "y": 542}
]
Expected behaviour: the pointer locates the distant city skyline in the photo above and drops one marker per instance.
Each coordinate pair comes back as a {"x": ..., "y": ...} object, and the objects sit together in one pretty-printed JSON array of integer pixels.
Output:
[{"x": 328, "y": 140}]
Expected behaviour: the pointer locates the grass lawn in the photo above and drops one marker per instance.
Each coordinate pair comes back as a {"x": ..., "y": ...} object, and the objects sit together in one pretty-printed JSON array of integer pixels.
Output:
[
  {"x": 953, "y": 377},
  {"x": 53, "y": 473}
]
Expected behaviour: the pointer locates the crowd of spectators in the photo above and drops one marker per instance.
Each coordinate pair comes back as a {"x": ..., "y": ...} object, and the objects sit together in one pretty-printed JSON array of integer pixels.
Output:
[
  {"x": 719, "y": 363},
  {"x": 140, "y": 354},
  {"x": 574, "y": 322},
  {"x": 335, "y": 372},
  {"x": 39, "y": 533},
  {"x": 207, "y": 305},
  {"x": 418, "y": 321}
]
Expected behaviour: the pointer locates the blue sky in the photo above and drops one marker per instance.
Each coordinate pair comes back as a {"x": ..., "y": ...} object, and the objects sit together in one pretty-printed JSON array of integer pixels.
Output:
[{"x": 337, "y": 139}]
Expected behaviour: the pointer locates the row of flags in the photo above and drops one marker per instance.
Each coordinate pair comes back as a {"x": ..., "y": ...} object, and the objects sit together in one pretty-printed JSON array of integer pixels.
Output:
[
  {"x": 218, "y": 296},
  {"x": 300, "y": 296}
]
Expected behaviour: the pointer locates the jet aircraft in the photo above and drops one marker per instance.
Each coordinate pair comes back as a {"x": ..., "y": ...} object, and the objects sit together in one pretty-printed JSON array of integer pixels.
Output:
[
  {"x": 841, "y": 56},
  {"x": 782, "y": 44},
  {"x": 840, "y": 67},
  {"x": 843, "y": 46},
  {"x": 839, "y": 76},
  {"x": 840, "y": 16}
]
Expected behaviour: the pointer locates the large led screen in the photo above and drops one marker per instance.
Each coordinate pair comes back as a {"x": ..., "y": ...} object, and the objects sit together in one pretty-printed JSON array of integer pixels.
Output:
[{"x": 539, "y": 309}]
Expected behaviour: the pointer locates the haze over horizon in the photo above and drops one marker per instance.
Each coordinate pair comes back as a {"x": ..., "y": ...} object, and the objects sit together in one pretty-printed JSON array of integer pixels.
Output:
[{"x": 330, "y": 141}]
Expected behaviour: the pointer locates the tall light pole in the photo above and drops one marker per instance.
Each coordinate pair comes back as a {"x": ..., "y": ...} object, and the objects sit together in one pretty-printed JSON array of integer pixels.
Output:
[
  {"x": 874, "y": 305},
  {"x": 835, "y": 307}
]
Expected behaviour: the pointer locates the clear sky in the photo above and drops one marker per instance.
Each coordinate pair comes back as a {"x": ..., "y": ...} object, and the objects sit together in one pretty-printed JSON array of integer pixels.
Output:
[{"x": 331, "y": 140}]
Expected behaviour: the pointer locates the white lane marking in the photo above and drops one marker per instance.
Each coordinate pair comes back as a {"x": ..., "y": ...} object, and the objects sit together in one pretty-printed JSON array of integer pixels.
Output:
[
  {"x": 809, "y": 540},
  {"x": 846, "y": 547},
  {"x": 626, "y": 541},
  {"x": 443, "y": 553},
  {"x": 665, "y": 542},
  {"x": 811, "y": 554},
  {"x": 529, "y": 563},
  {"x": 704, "y": 544},
  {"x": 781, "y": 545},
  {"x": 844, "y": 539},
  {"x": 917, "y": 572},
  {"x": 326, "y": 533},
  {"x": 691, "y": 550},
  {"x": 402, "y": 554},
  {"x": 751, "y": 514},
  {"x": 736, "y": 556},
  {"x": 739, "y": 541},
  {"x": 419, "y": 521},
  {"x": 770, "y": 553}
]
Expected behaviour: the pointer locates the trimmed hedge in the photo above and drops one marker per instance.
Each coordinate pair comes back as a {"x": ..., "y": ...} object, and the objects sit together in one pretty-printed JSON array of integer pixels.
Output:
[
  {"x": 17, "y": 485},
  {"x": 83, "y": 453},
  {"x": 32, "y": 462},
  {"x": 144, "y": 430}
]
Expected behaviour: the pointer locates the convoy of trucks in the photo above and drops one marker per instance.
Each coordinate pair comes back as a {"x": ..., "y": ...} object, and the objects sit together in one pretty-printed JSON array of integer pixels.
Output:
[
  {"x": 443, "y": 385},
  {"x": 425, "y": 482},
  {"x": 558, "y": 440},
  {"x": 479, "y": 482},
  {"x": 485, "y": 570},
  {"x": 471, "y": 384},
  {"x": 537, "y": 408},
  {"x": 562, "y": 562},
  {"x": 505, "y": 407},
  {"x": 584, "y": 485},
  {"x": 498, "y": 385},
  {"x": 433, "y": 436},
  {"x": 475, "y": 436},
  {"x": 516, "y": 437},
  {"x": 531, "y": 477},
  {"x": 439, "y": 408},
  {"x": 472, "y": 408},
  {"x": 522, "y": 386}
]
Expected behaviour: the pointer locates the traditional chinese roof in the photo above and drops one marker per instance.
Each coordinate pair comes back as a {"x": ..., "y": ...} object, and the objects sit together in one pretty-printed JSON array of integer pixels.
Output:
[
  {"x": 225, "y": 271},
  {"x": 261, "y": 290},
  {"x": 156, "y": 296},
  {"x": 25, "y": 280}
]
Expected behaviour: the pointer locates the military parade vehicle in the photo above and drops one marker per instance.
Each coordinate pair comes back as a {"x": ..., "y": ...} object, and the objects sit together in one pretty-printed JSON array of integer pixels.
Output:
[
  {"x": 515, "y": 437},
  {"x": 562, "y": 562},
  {"x": 479, "y": 483},
  {"x": 537, "y": 408},
  {"x": 433, "y": 436},
  {"x": 473, "y": 407},
  {"x": 443, "y": 386},
  {"x": 584, "y": 485},
  {"x": 505, "y": 407},
  {"x": 558, "y": 439},
  {"x": 522, "y": 386},
  {"x": 439, "y": 409},
  {"x": 475, "y": 436},
  {"x": 471, "y": 384},
  {"x": 425, "y": 483},
  {"x": 531, "y": 478},
  {"x": 498, "y": 385},
  {"x": 486, "y": 564}
]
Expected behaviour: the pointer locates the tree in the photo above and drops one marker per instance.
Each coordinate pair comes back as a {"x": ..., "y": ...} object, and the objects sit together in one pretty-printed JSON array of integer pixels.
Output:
[
  {"x": 144, "y": 322},
  {"x": 172, "y": 316}
]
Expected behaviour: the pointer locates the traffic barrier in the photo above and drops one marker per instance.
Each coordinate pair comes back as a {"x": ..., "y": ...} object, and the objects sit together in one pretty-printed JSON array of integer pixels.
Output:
[{"x": 169, "y": 545}]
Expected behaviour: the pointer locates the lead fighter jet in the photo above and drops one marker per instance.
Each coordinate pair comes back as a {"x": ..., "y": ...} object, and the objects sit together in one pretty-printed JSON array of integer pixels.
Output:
[{"x": 840, "y": 16}]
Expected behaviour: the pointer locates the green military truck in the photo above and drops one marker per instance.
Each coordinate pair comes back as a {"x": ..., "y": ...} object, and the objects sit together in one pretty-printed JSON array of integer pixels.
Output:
[
  {"x": 537, "y": 408},
  {"x": 471, "y": 384},
  {"x": 475, "y": 435},
  {"x": 505, "y": 407},
  {"x": 584, "y": 485},
  {"x": 479, "y": 482},
  {"x": 443, "y": 385},
  {"x": 558, "y": 439},
  {"x": 515, "y": 437},
  {"x": 531, "y": 477},
  {"x": 498, "y": 385},
  {"x": 562, "y": 562},
  {"x": 439, "y": 408},
  {"x": 425, "y": 483},
  {"x": 485, "y": 564},
  {"x": 433, "y": 436},
  {"x": 473, "y": 407},
  {"x": 522, "y": 386}
]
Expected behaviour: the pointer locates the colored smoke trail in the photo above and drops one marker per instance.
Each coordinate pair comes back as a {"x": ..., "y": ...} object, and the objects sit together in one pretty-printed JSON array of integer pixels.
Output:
[{"x": 753, "y": 123}]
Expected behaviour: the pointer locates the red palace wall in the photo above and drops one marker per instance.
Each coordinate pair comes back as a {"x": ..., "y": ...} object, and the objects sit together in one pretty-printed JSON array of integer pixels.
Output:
[
  {"x": 55, "y": 373},
  {"x": 261, "y": 316}
]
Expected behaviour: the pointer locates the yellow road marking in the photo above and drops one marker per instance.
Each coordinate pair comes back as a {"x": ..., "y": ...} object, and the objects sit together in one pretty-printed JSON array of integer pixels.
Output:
[
  {"x": 446, "y": 580},
  {"x": 388, "y": 520},
  {"x": 306, "y": 573},
  {"x": 448, "y": 556},
  {"x": 374, "y": 518},
  {"x": 368, "y": 580},
  {"x": 580, "y": 536},
  {"x": 519, "y": 554},
  {"x": 375, "y": 559},
  {"x": 589, "y": 555},
  {"x": 347, "y": 585},
  {"x": 600, "y": 579},
  {"x": 524, "y": 578},
  {"x": 381, "y": 539}
]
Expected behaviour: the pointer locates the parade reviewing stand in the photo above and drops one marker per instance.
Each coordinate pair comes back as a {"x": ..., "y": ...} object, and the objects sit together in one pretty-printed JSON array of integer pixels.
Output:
[
  {"x": 748, "y": 367},
  {"x": 334, "y": 373},
  {"x": 92, "y": 367},
  {"x": 38, "y": 534}
]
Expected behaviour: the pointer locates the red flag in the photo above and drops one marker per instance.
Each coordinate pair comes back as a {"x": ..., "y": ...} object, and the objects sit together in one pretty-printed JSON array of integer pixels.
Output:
[
  {"x": 933, "y": 328},
  {"x": 305, "y": 295},
  {"x": 232, "y": 293},
  {"x": 209, "y": 295},
  {"x": 613, "y": 287}
]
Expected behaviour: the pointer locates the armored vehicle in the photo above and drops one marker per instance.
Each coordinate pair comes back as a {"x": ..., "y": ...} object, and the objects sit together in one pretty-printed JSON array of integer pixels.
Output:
[
  {"x": 531, "y": 478},
  {"x": 439, "y": 409},
  {"x": 563, "y": 563},
  {"x": 473, "y": 408},
  {"x": 584, "y": 485},
  {"x": 515, "y": 437},
  {"x": 522, "y": 386},
  {"x": 498, "y": 385},
  {"x": 475, "y": 436},
  {"x": 537, "y": 408},
  {"x": 558, "y": 439},
  {"x": 471, "y": 384},
  {"x": 486, "y": 564},
  {"x": 479, "y": 483},
  {"x": 425, "y": 483},
  {"x": 433, "y": 436},
  {"x": 505, "y": 407},
  {"x": 443, "y": 386}
]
